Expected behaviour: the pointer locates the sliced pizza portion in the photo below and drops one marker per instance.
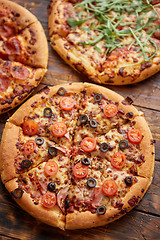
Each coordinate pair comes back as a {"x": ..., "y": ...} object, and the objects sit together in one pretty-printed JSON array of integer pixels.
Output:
[
  {"x": 17, "y": 81},
  {"x": 42, "y": 191},
  {"x": 29, "y": 47},
  {"x": 13, "y": 19},
  {"x": 52, "y": 114}
]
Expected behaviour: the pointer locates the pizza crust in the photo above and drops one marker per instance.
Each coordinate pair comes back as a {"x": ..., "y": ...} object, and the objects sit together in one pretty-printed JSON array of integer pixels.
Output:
[
  {"x": 52, "y": 217},
  {"x": 82, "y": 220}
]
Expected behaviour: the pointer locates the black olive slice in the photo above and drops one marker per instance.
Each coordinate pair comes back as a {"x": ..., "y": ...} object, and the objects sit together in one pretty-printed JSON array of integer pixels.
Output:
[
  {"x": 52, "y": 151},
  {"x": 104, "y": 147},
  {"x": 26, "y": 163},
  {"x": 93, "y": 123},
  {"x": 47, "y": 112},
  {"x": 123, "y": 144},
  {"x": 128, "y": 181},
  {"x": 97, "y": 97},
  {"x": 51, "y": 186},
  {"x": 18, "y": 192},
  {"x": 67, "y": 202},
  {"x": 91, "y": 182},
  {"x": 101, "y": 210},
  {"x": 39, "y": 141},
  {"x": 61, "y": 91},
  {"x": 83, "y": 119},
  {"x": 85, "y": 161}
]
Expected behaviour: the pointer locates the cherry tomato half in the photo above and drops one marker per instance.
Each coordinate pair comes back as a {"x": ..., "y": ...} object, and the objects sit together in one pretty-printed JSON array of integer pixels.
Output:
[
  {"x": 67, "y": 103},
  {"x": 59, "y": 129},
  {"x": 118, "y": 160},
  {"x": 29, "y": 147},
  {"x": 134, "y": 135},
  {"x": 48, "y": 200},
  {"x": 30, "y": 127},
  {"x": 88, "y": 144},
  {"x": 51, "y": 168},
  {"x": 109, "y": 187},
  {"x": 80, "y": 170},
  {"x": 110, "y": 110}
]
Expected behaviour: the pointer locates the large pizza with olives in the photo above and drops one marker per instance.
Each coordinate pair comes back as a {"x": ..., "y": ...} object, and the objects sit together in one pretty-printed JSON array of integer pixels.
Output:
[
  {"x": 77, "y": 156},
  {"x": 23, "y": 54},
  {"x": 111, "y": 42}
]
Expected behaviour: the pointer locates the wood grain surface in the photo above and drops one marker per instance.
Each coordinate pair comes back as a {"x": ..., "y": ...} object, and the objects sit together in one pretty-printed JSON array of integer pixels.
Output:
[{"x": 142, "y": 223}]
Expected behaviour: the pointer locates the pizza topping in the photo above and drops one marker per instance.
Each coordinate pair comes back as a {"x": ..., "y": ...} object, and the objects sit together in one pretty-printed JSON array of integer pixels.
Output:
[
  {"x": 110, "y": 110},
  {"x": 80, "y": 170},
  {"x": 29, "y": 147},
  {"x": 97, "y": 97},
  {"x": 61, "y": 196},
  {"x": 51, "y": 186},
  {"x": 51, "y": 168},
  {"x": 47, "y": 112},
  {"x": 39, "y": 141},
  {"x": 123, "y": 144},
  {"x": 93, "y": 123},
  {"x": 7, "y": 31},
  {"x": 67, "y": 103},
  {"x": 59, "y": 129},
  {"x": 91, "y": 182},
  {"x": 52, "y": 151},
  {"x": 85, "y": 161},
  {"x": 128, "y": 181},
  {"x": 127, "y": 101},
  {"x": 48, "y": 200},
  {"x": 12, "y": 46},
  {"x": 88, "y": 144},
  {"x": 61, "y": 91},
  {"x": 30, "y": 127},
  {"x": 109, "y": 187},
  {"x": 18, "y": 192},
  {"x": 26, "y": 163},
  {"x": 83, "y": 119},
  {"x": 104, "y": 147},
  {"x": 67, "y": 203},
  {"x": 20, "y": 73},
  {"x": 101, "y": 210},
  {"x": 98, "y": 196},
  {"x": 118, "y": 160},
  {"x": 134, "y": 136},
  {"x": 4, "y": 82}
]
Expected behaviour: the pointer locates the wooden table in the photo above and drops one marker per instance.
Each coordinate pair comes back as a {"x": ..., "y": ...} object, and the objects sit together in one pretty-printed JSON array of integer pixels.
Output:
[{"x": 141, "y": 223}]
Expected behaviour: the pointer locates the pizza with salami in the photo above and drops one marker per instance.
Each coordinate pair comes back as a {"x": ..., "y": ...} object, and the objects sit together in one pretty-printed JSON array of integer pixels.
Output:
[
  {"x": 77, "y": 156},
  {"x": 23, "y": 54},
  {"x": 111, "y": 42}
]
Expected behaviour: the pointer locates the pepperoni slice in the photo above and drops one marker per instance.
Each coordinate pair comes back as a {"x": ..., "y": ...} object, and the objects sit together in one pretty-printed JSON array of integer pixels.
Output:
[
  {"x": 12, "y": 46},
  {"x": 110, "y": 110},
  {"x": 59, "y": 129},
  {"x": 20, "y": 73},
  {"x": 48, "y": 200},
  {"x": 118, "y": 160},
  {"x": 4, "y": 82},
  {"x": 30, "y": 127},
  {"x": 7, "y": 31},
  {"x": 51, "y": 168},
  {"x": 80, "y": 170},
  {"x": 67, "y": 103},
  {"x": 88, "y": 144},
  {"x": 29, "y": 147},
  {"x": 134, "y": 135},
  {"x": 109, "y": 187}
]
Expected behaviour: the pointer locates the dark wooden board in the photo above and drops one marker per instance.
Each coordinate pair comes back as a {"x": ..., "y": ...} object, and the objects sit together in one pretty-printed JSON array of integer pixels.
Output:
[{"x": 141, "y": 223}]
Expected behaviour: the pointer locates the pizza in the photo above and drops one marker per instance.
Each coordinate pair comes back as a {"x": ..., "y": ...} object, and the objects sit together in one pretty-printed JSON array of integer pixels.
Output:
[
  {"x": 23, "y": 54},
  {"x": 110, "y": 42},
  {"x": 77, "y": 156}
]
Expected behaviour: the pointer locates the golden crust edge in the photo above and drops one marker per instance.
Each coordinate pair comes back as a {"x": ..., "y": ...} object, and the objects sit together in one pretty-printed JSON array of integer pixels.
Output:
[{"x": 52, "y": 217}]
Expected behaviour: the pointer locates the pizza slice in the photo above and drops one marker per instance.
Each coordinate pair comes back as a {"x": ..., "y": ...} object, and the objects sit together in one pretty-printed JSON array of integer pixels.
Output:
[
  {"x": 26, "y": 47},
  {"x": 17, "y": 81},
  {"x": 13, "y": 19}
]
